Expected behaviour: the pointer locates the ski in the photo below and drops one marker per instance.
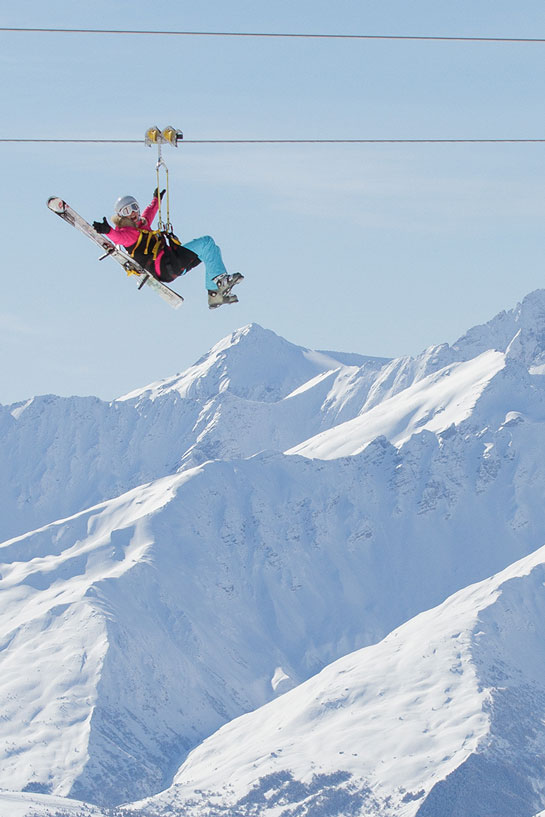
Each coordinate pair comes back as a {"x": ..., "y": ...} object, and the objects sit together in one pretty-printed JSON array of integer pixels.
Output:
[{"x": 64, "y": 211}]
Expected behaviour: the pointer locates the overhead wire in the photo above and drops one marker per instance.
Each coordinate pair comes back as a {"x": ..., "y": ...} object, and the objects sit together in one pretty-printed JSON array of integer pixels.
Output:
[
  {"x": 271, "y": 34},
  {"x": 284, "y": 141},
  {"x": 298, "y": 35}
]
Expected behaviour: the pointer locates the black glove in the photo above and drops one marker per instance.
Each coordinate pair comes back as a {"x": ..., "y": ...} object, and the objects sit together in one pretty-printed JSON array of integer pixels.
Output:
[
  {"x": 156, "y": 193},
  {"x": 101, "y": 226}
]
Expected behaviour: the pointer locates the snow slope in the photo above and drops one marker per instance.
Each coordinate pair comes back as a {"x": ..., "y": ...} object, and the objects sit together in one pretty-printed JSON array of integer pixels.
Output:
[
  {"x": 252, "y": 392},
  {"x": 27, "y": 804},
  {"x": 62, "y": 455},
  {"x": 437, "y": 402},
  {"x": 146, "y": 623},
  {"x": 170, "y": 568},
  {"x": 445, "y": 716}
]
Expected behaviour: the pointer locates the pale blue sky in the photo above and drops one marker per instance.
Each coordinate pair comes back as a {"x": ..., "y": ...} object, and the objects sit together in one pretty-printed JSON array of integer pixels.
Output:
[{"x": 376, "y": 249}]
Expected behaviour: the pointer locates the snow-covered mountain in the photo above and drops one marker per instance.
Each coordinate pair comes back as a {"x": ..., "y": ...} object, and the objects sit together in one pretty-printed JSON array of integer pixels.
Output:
[
  {"x": 444, "y": 716},
  {"x": 61, "y": 455},
  {"x": 176, "y": 560}
]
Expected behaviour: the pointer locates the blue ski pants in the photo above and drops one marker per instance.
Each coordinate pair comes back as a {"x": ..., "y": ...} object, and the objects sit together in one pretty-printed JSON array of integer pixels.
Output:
[{"x": 210, "y": 254}]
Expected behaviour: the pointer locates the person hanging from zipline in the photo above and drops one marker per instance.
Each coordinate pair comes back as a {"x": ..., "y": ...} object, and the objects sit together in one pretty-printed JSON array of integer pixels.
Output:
[{"x": 162, "y": 254}]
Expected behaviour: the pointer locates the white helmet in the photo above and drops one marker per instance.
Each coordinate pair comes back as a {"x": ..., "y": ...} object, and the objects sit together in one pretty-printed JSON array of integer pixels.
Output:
[{"x": 125, "y": 205}]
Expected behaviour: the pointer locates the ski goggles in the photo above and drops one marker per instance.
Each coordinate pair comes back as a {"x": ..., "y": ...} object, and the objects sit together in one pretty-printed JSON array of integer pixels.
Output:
[{"x": 129, "y": 209}]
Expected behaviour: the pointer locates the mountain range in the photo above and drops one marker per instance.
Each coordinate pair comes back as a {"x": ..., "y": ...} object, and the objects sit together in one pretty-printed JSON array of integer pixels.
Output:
[{"x": 283, "y": 582}]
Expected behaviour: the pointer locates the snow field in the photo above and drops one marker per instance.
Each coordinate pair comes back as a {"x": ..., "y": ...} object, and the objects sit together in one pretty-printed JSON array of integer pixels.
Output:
[{"x": 181, "y": 572}]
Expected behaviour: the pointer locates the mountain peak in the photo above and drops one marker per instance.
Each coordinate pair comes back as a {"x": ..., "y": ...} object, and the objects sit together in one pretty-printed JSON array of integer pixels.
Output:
[
  {"x": 252, "y": 363},
  {"x": 527, "y": 319},
  {"x": 252, "y": 333}
]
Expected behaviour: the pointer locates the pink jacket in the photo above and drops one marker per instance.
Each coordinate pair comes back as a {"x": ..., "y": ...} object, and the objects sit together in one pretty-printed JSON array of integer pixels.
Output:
[{"x": 127, "y": 236}]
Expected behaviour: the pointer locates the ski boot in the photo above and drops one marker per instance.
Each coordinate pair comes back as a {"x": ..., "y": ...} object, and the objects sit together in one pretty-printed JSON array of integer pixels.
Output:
[
  {"x": 217, "y": 298},
  {"x": 225, "y": 282}
]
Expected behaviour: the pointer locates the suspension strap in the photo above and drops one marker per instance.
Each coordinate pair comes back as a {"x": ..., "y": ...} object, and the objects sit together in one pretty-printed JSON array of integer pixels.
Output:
[
  {"x": 161, "y": 226},
  {"x": 139, "y": 241},
  {"x": 151, "y": 234}
]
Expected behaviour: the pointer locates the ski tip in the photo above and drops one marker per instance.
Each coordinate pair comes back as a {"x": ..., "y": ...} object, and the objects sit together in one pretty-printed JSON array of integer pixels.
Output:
[{"x": 56, "y": 204}]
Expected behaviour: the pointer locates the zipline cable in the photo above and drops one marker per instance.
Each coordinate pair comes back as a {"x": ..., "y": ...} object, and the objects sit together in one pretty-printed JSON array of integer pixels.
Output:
[
  {"x": 285, "y": 35},
  {"x": 438, "y": 141}
]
